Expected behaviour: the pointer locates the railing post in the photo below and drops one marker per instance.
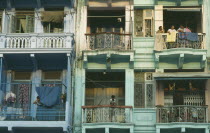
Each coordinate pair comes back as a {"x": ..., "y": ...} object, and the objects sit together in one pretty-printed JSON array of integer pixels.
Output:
[
  {"x": 3, "y": 41},
  {"x": 33, "y": 41},
  {"x": 68, "y": 43},
  {"x": 206, "y": 109}
]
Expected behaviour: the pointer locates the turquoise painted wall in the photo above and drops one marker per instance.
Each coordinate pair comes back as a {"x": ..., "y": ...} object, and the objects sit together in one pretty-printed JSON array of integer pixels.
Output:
[{"x": 144, "y": 53}]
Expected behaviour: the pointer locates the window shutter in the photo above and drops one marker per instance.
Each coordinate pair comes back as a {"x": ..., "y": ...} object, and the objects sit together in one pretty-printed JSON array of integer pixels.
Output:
[
  {"x": 138, "y": 23},
  {"x": 29, "y": 24},
  {"x": 148, "y": 22},
  {"x": 12, "y": 24}
]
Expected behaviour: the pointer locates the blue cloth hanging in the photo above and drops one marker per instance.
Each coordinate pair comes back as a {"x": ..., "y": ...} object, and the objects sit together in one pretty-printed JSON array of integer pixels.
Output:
[
  {"x": 192, "y": 36},
  {"x": 49, "y": 96}
]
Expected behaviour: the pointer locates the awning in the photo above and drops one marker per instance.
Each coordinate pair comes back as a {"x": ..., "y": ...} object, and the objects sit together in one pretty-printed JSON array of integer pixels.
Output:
[
  {"x": 182, "y": 76},
  {"x": 183, "y": 9},
  {"x": 52, "y": 16}
]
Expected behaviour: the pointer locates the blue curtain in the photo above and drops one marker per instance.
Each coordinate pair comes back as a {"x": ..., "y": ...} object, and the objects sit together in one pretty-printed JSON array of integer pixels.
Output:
[{"x": 49, "y": 96}]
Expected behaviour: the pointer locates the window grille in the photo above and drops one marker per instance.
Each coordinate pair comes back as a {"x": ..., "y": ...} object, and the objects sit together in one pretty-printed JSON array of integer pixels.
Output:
[{"x": 144, "y": 90}]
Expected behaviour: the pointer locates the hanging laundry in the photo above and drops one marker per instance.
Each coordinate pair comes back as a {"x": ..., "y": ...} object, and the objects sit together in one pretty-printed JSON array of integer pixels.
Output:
[
  {"x": 49, "y": 96},
  {"x": 159, "y": 42},
  {"x": 171, "y": 37},
  {"x": 24, "y": 97},
  {"x": 192, "y": 36}
]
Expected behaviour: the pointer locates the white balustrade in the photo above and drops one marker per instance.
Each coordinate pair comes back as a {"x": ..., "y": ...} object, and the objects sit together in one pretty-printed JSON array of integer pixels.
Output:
[{"x": 21, "y": 41}]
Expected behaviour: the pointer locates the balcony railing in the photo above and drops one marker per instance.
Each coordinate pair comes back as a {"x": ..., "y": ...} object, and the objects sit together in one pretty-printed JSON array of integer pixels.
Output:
[
  {"x": 15, "y": 105},
  {"x": 21, "y": 41},
  {"x": 113, "y": 41},
  {"x": 25, "y": 113},
  {"x": 182, "y": 113},
  {"x": 161, "y": 42},
  {"x": 107, "y": 113}
]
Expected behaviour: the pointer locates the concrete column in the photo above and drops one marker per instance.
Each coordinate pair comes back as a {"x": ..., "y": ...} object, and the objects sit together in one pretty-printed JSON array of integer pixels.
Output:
[
  {"x": 183, "y": 130},
  {"x": 5, "y": 22},
  {"x": 69, "y": 90},
  {"x": 36, "y": 82},
  {"x": 106, "y": 130},
  {"x": 79, "y": 97},
  {"x": 38, "y": 27},
  {"x": 83, "y": 130},
  {"x": 128, "y": 19},
  {"x": 129, "y": 87},
  {"x": 158, "y": 130},
  {"x": 159, "y": 94},
  {"x": 158, "y": 16},
  {"x": 207, "y": 97},
  {"x": 207, "y": 130}
]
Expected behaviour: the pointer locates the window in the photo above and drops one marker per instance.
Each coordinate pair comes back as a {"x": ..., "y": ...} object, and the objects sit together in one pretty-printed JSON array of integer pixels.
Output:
[
  {"x": 22, "y": 22},
  {"x": 109, "y": 21},
  {"x": 144, "y": 23},
  {"x": 53, "y": 21},
  {"x": 52, "y": 78},
  {"x": 52, "y": 27},
  {"x": 52, "y": 75},
  {"x": 100, "y": 87},
  {"x": 190, "y": 19},
  {"x": 184, "y": 92},
  {"x": 21, "y": 76},
  {"x": 144, "y": 90}
]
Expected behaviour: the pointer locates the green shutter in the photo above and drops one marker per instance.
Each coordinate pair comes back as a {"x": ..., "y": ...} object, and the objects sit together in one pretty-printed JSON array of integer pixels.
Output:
[
  {"x": 12, "y": 24},
  {"x": 29, "y": 24},
  {"x": 138, "y": 22}
]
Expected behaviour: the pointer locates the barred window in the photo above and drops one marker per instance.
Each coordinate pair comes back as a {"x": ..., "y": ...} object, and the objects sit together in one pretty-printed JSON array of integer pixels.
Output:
[
  {"x": 144, "y": 90},
  {"x": 144, "y": 23}
]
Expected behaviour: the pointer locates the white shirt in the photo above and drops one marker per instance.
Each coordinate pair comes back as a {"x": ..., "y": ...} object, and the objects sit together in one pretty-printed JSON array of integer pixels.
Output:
[{"x": 170, "y": 30}]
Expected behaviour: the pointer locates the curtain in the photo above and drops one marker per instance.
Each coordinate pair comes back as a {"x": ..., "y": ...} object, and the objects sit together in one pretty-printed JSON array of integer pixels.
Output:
[
  {"x": 23, "y": 24},
  {"x": 53, "y": 16}
]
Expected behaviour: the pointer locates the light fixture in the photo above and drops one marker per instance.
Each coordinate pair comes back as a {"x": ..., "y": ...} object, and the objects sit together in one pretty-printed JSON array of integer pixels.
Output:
[{"x": 104, "y": 72}]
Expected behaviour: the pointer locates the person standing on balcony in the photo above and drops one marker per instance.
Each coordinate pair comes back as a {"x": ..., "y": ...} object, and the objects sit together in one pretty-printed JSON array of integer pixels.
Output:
[
  {"x": 113, "y": 100},
  {"x": 170, "y": 31},
  {"x": 160, "y": 30},
  {"x": 181, "y": 28},
  {"x": 171, "y": 37}
]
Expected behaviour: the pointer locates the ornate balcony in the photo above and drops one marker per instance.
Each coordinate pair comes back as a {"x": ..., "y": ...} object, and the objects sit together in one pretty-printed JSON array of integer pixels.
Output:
[
  {"x": 28, "y": 41},
  {"x": 183, "y": 49},
  {"x": 161, "y": 42},
  {"x": 107, "y": 113},
  {"x": 109, "y": 41},
  {"x": 182, "y": 113}
]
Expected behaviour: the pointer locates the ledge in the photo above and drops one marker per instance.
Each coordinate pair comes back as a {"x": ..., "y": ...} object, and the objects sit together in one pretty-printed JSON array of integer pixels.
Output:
[
  {"x": 34, "y": 50},
  {"x": 11, "y": 124}
]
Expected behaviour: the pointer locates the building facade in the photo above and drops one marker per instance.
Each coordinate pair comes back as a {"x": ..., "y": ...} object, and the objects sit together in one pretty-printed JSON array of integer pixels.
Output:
[
  {"x": 36, "y": 59},
  {"x": 160, "y": 79}
]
